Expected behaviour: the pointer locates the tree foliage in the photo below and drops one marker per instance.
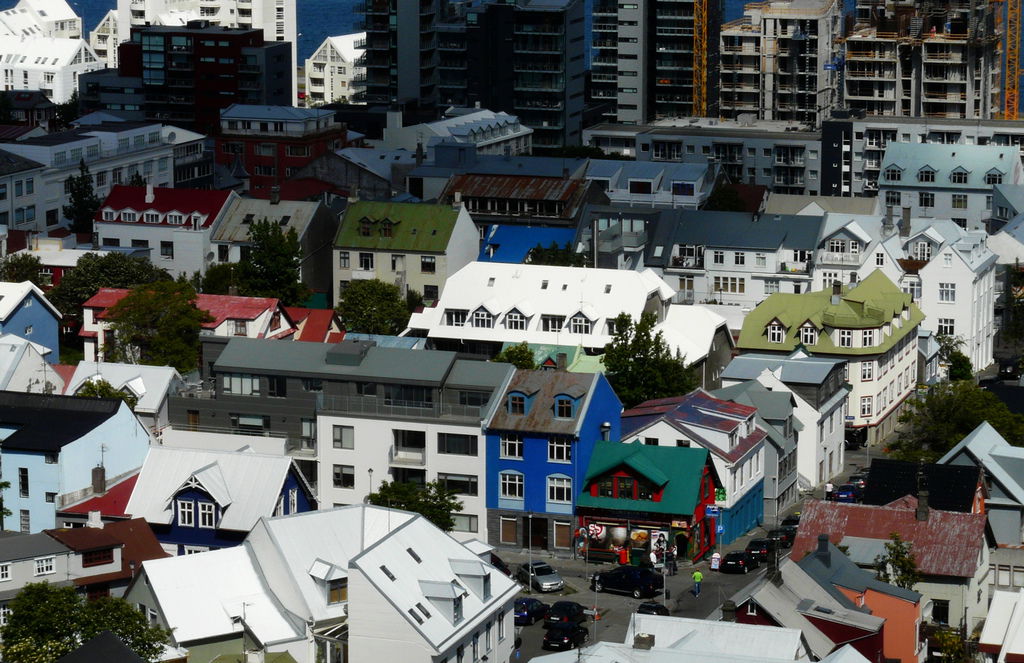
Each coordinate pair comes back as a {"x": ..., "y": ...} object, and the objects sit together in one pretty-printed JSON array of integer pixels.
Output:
[
  {"x": 432, "y": 501},
  {"x": 640, "y": 366},
  {"x": 272, "y": 269},
  {"x": 83, "y": 202},
  {"x": 68, "y": 111},
  {"x": 934, "y": 424},
  {"x": 960, "y": 366},
  {"x": 136, "y": 179},
  {"x": 520, "y": 356},
  {"x": 556, "y": 255},
  {"x": 951, "y": 646},
  {"x": 157, "y": 324},
  {"x": 18, "y": 267},
  {"x": 724, "y": 198},
  {"x": 219, "y": 278},
  {"x": 48, "y": 622},
  {"x": 100, "y": 388},
  {"x": 372, "y": 306},
  {"x": 1012, "y": 330},
  {"x": 101, "y": 270},
  {"x": 898, "y": 566}
]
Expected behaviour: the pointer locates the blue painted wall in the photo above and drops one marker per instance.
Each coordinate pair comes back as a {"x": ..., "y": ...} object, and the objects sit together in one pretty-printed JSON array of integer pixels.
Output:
[
  {"x": 34, "y": 321},
  {"x": 743, "y": 516},
  {"x": 603, "y": 406},
  {"x": 175, "y": 534}
]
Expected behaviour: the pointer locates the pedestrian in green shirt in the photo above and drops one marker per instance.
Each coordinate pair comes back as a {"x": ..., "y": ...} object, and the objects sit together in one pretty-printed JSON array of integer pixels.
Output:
[{"x": 697, "y": 578}]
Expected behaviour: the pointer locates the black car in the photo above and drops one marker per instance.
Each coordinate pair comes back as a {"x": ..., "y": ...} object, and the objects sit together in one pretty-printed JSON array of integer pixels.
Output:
[
  {"x": 781, "y": 537},
  {"x": 652, "y": 608},
  {"x": 529, "y": 610},
  {"x": 565, "y": 612},
  {"x": 791, "y": 521},
  {"x": 565, "y": 636},
  {"x": 860, "y": 481},
  {"x": 738, "y": 561},
  {"x": 759, "y": 548},
  {"x": 500, "y": 564},
  {"x": 1009, "y": 369},
  {"x": 633, "y": 580}
]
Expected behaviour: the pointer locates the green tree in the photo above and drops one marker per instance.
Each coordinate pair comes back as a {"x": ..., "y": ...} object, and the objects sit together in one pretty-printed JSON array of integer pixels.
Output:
[
  {"x": 413, "y": 300},
  {"x": 68, "y": 111},
  {"x": 960, "y": 366},
  {"x": 640, "y": 366},
  {"x": 951, "y": 645},
  {"x": 47, "y": 622},
  {"x": 520, "y": 356},
  {"x": 83, "y": 202},
  {"x": 18, "y": 267},
  {"x": 219, "y": 278},
  {"x": 934, "y": 424},
  {"x": 136, "y": 179},
  {"x": 556, "y": 255},
  {"x": 897, "y": 566},
  {"x": 371, "y": 306},
  {"x": 101, "y": 270},
  {"x": 100, "y": 388},
  {"x": 158, "y": 325},
  {"x": 724, "y": 198},
  {"x": 272, "y": 269},
  {"x": 432, "y": 501}
]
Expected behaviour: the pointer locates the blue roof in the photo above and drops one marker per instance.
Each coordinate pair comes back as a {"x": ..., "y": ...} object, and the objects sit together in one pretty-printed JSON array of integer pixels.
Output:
[
  {"x": 975, "y": 160},
  {"x": 511, "y": 243},
  {"x": 288, "y": 113}
]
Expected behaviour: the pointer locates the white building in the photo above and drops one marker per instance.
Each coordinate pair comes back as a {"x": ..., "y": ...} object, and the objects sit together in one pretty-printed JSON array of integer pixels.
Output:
[
  {"x": 331, "y": 72},
  {"x": 104, "y": 39},
  {"x": 949, "y": 271},
  {"x": 112, "y": 151},
  {"x": 818, "y": 387},
  {"x": 275, "y": 17},
  {"x": 395, "y": 585},
  {"x": 49, "y": 64},
  {"x": 24, "y": 367},
  {"x": 491, "y": 133},
  {"x": 41, "y": 18},
  {"x": 150, "y": 385},
  {"x": 640, "y": 184}
]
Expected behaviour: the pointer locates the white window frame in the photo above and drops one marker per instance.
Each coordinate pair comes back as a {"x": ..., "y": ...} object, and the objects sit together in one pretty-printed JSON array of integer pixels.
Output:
[
  {"x": 866, "y": 405},
  {"x": 510, "y": 442},
  {"x": 845, "y": 338},
  {"x": 207, "y": 516},
  {"x": 808, "y": 335},
  {"x": 867, "y": 371},
  {"x": 511, "y": 485},
  {"x": 559, "y": 450},
  {"x": 776, "y": 333},
  {"x": 44, "y": 566},
  {"x": 186, "y": 512},
  {"x": 559, "y": 490},
  {"x": 947, "y": 293}
]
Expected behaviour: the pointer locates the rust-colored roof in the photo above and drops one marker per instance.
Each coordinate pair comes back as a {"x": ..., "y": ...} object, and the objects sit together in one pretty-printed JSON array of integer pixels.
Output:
[
  {"x": 140, "y": 545},
  {"x": 111, "y": 504},
  {"x": 84, "y": 539},
  {"x": 64, "y": 371},
  {"x": 220, "y": 307},
  {"x": 513, "y": 187},
  {"x": 315, "y": 324},
  {"x": 541, "y": 387},
  {"x": 948, "y": 543}
]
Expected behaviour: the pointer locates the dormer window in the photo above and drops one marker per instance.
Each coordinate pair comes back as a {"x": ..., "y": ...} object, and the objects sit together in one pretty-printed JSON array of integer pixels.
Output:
[
  {"x": 455, "y": 317},
  {"x": 868, "y": 338},
  {"x": 579, "y": 324},
  {"x": 152, "y": 217},
  {"x": 483, "y": 319},
  {"x": 364, "y": 229},
  {"x": 926, "y": 174},
  {"x": 923, "y": 251},
  {"x": 128, "y": 217},
  {"x": 845, "y": 338},
  {"x": 515, "y": 320},
  {"x": 563, "y": 407},
  {"x": 109, "y": 215},
  {"x": 186, "y": 513},
  {"x": 552, "y": 323},
  {"x": 516, "y": 404},
  {"x": 808, "y": 335},
  {"x": 776, "y": 333},
  {"x": 207, "y": 515},
  {"x": 993, "y": 177},
  {"x": 175, "y": 219},
  {"x": 893, "y": 174},
  {"x": 958, "y": 176},
  {"x": 387, "y": 229},
  {"x": 337, "y": 591}
]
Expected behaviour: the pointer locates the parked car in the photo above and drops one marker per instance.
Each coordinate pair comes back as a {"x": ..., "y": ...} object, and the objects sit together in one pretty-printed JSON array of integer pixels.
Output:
[
  {"x": 565, "y": 636},
  {"x": 529, "y": 610},
  {"x": 540, "y": 576},
  {"x": 738, "y": 561},
  {"x": 859, "y": 480},
  {"x": 791, "y": 521},
  {"x": 781, "y": 537},
  {"x": 500, "y": 564},
  {"x": 1009, "y": 369},
  {"x": 633, "y": 580},
  {"x": 759, "y": 549},
  {"x": 565, "y": 612},
  {"x": 846, "y": 493},
  {"x": 652, "y": 608}
]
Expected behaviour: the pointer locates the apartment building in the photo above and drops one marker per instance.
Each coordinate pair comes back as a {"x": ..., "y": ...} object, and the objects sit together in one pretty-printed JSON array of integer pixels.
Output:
[
  {"x": 779, "y": 61},
  {"x": 925, "y": 61},
  {"x": 49, "y": 64},
  {"x": 332, "y": 72},
  {"x": 656, "y": 59},
  {"x": 105, "y": 38}
]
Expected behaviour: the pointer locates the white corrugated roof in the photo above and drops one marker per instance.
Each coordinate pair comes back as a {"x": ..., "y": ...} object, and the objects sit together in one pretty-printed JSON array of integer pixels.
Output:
[
  {"x": 43, "y": 53},
  {"x": 12, "y": 294},
  {"x": 691, "y": 329},
  {"x": 253, "y": 481},
  {"x": 201, "y": 596},
  {"x": 727, "y": 638},
  {"x": 149, "y": 384},
  {"x": 1004, "y": 626},
  {"x": 346, "y": 45}
]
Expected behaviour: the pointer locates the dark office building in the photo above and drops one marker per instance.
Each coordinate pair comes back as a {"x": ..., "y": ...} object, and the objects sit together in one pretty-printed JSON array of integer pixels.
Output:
[
  {"x": 186, "y": 75},
  {"x": 525, "y": 57}
]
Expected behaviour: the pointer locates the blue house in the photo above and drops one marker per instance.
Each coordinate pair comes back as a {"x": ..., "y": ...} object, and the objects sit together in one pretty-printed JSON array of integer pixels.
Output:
[
  {"x": 540, "y": 435},
  {"x": 54, "y": 449},
  {"x": 25, "y": 312},
  {"x": 197, "y": 500}
]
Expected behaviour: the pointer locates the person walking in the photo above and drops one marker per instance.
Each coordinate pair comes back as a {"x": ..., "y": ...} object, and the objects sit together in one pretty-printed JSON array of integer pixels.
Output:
[
  {"x": 697, "y": 578},
  {"x": 670, "y": 561},
  {"x": 828, "y": 490}
]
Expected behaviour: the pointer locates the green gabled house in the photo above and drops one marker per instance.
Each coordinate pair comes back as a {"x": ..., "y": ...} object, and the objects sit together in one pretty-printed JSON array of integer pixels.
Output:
[
  {"x": 643, "y": 497},
  {"x": 871, "y": 324}
]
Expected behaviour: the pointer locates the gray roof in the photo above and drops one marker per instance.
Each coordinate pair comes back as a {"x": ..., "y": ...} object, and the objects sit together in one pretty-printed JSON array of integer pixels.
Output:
[
  {"x": 1000, "y": 460},
  {"x": 862, "y": 550},
  {"x": 976, "y": 160},
  {"x": 795, "y": 369},
  {"x": 12, "y": 163},
  {"x": 27, "y": 546},
  {"x": 791, "y": 203},
  {"x": 325, "y": 360},
  {"x": 541, "y": 387},
  {"x": 771, "y": 405},
  {"x": 378, "y": 162},
  {"x": 835, "y": 568},
  {"x": 468, "y": 373},
  {"x": 288, "y": 214},
  {"x": 1013, "y": 193},
  {"x": 618, "y": 173},
  {"x": 286, "y": 113}
]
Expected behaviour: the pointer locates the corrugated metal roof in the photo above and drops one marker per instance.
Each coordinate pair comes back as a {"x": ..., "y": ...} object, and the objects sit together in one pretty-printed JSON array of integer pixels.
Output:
[
  {"x": 397, "y": 226},
  {"x": 220, "y": 307},
  {"x": 795, "y": 369},
  {"x": 287, "y": 214},
  {"x": 727, "y": 638},
  {"x": 976, "y": 160},
  {"x": 542, "y": 387},
  {"x": 946, "y": 544},
  {"x": 512, "y": 187},
  {"x": 250, "y": 482}
]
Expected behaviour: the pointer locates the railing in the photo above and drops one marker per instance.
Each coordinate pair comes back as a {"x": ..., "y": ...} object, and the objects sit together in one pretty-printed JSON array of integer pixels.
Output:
[
  {"x": 407, "y": 456},
  {"x": 391, "y": 407},
  {"x": 684, "y": 297},
  {"x": 688, "y": 262},
  {"x": 836, "y": 258},
  {"x": 793, "y": 267}
]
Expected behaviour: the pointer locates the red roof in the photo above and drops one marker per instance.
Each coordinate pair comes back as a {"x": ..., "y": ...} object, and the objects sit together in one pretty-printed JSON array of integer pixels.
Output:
[
  {"x": 514, "y": 187},
  {"x": 948, "y": 543},
  {"x": 206, "y": 202},
  {"x": 140, "y": 545},
  {"x": 110, "y": 504},
  {"x": 307, "y": 188},
  {"x": 314, "y": 323},
  {"x": 64, "y": 371},
  {"x": 220, "y": 307}
]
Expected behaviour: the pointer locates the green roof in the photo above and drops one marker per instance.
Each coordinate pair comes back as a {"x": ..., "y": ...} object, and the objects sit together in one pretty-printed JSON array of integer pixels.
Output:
[
  {"x": 677, "y": 469},
  {"x": 413, "y": 227},
  {"x": 870, "y": 304}
]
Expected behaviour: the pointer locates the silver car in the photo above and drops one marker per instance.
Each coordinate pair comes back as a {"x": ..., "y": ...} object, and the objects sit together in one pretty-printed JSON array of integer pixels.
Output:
[{"x": 540, "y": 576}]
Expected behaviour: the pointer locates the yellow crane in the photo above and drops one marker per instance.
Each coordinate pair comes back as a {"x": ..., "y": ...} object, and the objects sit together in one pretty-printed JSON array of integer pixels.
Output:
[
  {"x": 700, "y": 57},
  {"x": 1012, "y": 97}
]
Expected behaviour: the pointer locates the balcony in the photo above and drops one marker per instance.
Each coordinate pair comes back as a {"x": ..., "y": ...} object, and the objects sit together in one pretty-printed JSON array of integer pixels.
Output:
[
  {"x": 836, "y": 258},
  {"x": 687, "y": 262},
  {"x": 408, "y": 456},
  {"x": 793, "y": 267}
]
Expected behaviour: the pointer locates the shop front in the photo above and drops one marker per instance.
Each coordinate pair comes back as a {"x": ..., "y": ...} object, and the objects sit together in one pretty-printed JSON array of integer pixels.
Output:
[{"x": 602, "y": 536}]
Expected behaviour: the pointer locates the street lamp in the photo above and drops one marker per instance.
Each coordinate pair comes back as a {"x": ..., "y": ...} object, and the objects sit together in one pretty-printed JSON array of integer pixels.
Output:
[{"x": 529, "y": 552}]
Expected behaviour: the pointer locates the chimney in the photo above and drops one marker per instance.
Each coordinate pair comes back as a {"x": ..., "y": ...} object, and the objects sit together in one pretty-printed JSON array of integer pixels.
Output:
[
  {"x": 922, "y": 506},
  {"x": 905, "y": 223},
  {"x": 457, "y": 199},
  {"x": 643, "y": 641},
  {"x": 561, "y": 361},
  {"x": 822, "y": 551},
  {"x": 837, "y": 292},
  {"x": 275, "y": 195},
  {"x": 99, "y": 480},
  {"x": 394, "y": 119},
  {"x": 95, "y": 520},
  {"x": 887, "y": 226},
  {"x": 150, "y": 197},
  {"x": 728, "y": 610}
]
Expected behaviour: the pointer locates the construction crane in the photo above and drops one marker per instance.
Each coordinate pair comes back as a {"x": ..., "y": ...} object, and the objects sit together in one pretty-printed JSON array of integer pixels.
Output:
[
  {"x": 700, "y": 57},
  {"x": 1012, "y": 97}
]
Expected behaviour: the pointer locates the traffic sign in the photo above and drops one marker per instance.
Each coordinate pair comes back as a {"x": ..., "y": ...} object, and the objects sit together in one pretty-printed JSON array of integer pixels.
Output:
[
  {"x": 720, "y": 529},
  {"x": 588, "y": 611},
  {"x": 711, "y": 510}
]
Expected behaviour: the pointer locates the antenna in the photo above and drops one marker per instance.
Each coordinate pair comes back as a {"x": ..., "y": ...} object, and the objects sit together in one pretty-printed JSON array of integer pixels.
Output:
[{"x": 103, "y": 449}]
